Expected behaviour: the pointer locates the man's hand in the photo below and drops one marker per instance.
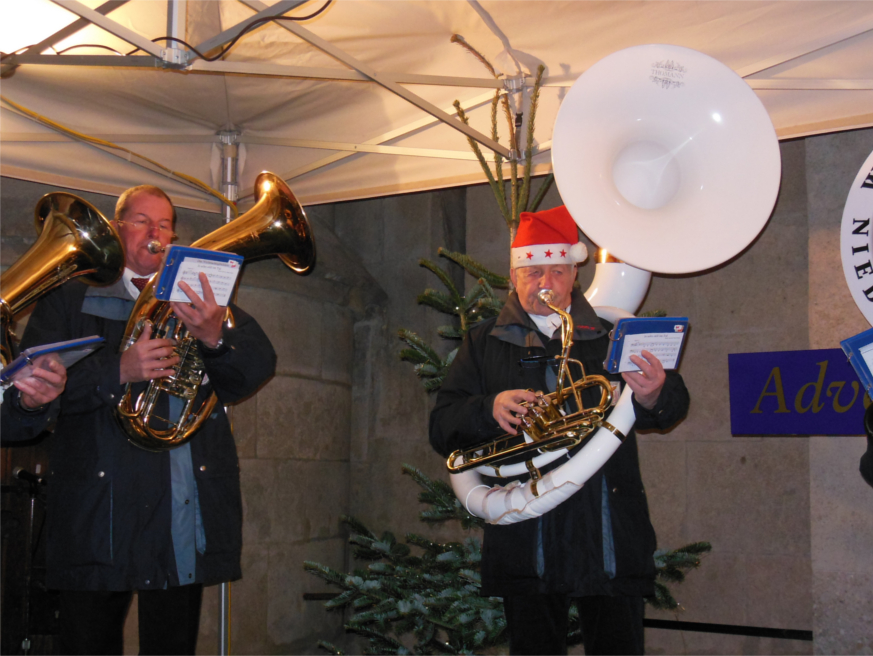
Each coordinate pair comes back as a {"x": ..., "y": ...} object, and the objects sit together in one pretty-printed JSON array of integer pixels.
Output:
[
  {"x": 202, "y": 316},
  {"x": 45, "y": 383},
  {"x": 148, "y": 358},
  {"x": 648, "y": 382},
  {"x": 508, "y": 402}
]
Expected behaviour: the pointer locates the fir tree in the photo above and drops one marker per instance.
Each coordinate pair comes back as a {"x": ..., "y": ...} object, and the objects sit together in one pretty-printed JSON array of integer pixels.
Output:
[{"x": 427, "y": 601}]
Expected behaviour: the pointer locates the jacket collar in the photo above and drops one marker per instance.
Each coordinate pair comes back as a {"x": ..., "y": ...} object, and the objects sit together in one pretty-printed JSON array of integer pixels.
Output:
[
  {"x": 112, "y": 302},
  {"x": 515, "y": 326}
]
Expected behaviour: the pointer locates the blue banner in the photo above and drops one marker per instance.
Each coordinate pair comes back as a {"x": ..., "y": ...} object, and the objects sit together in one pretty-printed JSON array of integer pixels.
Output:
[{"x": 795, "y": 393}]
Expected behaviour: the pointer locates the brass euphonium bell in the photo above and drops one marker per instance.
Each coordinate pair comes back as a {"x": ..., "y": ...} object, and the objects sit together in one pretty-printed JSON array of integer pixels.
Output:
[
  {"x": 276, "y": 225},
  {"x": 75, "y": 241},
  {"x": 549, "y": 424}
]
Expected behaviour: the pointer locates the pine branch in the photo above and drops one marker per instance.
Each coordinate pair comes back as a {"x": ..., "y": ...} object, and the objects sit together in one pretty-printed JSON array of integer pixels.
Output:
[
  {"x": 439, "y": 301},
  {"x": 475, "y": 269},
  {"x": 541, "y": 193},
  {"x": 531, "y": 125},
  {"x": 495, "y": 188},
  {"x": 444, "y": 278},
  {"x": 450, "y": 332},
  {"x": 457, "y": 38},
  {"x": 330, "y": 648},
  {"x": 419, "y": 345}
]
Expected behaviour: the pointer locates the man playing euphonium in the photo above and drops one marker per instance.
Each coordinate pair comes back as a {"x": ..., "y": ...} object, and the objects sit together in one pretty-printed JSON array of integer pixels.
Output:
[{"x": 122, "y": 519}]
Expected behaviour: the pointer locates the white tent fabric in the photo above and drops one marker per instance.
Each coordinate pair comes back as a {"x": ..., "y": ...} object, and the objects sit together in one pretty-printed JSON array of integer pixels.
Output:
[{"x": 810, "y": 62}]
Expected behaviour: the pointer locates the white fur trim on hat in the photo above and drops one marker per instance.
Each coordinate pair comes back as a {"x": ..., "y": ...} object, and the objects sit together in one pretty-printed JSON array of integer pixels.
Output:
[{"x": 538, "y": 254}]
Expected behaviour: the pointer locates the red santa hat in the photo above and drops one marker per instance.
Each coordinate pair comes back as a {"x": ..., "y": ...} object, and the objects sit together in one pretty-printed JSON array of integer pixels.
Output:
[{"x": 547, "y": 237}]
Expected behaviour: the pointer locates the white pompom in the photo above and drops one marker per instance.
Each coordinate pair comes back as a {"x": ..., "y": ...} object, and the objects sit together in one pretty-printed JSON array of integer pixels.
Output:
[{"x": 578, "y": 252}]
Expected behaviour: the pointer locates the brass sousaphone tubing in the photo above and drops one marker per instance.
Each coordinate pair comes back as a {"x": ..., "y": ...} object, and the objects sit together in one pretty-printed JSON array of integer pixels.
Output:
[{"x": 546, "y": 424}]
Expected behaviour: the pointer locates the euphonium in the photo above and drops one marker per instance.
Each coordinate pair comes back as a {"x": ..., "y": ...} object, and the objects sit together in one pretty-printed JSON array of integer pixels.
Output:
[
  {"x": 276, "y": 225},
  {"x": 548, "y": 425},
  {"x": 75, "y": 240}
]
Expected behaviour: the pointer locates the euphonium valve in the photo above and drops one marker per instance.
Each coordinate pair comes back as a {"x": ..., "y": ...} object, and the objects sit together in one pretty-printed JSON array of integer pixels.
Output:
[{"x": 276, "y": 225}]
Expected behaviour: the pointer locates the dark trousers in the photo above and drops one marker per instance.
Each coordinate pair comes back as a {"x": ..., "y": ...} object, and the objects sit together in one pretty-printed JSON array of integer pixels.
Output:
[
  {"x": 538, "y": 624},
  {"x": 93, "y": 622}
]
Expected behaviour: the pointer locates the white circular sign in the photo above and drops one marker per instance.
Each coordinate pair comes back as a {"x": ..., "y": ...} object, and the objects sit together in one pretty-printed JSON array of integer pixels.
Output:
[{"x": 856, "y": 245}]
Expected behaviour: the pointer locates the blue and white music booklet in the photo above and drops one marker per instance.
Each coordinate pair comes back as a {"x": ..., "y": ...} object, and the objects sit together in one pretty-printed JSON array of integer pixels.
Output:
[
  {"x": 663, "y": 337},
  {"x": 68, "y": 354},
  {"x": 859, "y": 350},
  {"x": 185, "y": 263}
]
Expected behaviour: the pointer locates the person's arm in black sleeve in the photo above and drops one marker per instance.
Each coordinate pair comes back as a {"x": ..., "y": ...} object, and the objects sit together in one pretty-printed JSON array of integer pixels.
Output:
[
  {"x": 462, "y": 415},
  {"x": 866, "y": 465},
  {"x": 244, "y": 361},
  {"x": 18, "y": 423},
  {"x": 92, "y": 382},
  {"x": 670, "y": 408}
]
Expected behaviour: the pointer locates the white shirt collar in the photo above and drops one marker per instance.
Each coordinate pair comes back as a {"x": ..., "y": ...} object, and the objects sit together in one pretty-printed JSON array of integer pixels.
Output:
[
  {"x": 128, "y": 276},
  {"x": 548, "y": 324}
]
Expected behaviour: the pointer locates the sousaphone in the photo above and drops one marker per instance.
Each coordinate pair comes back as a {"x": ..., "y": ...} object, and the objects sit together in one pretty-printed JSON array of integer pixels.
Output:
[{"x": 666, "y": 158}]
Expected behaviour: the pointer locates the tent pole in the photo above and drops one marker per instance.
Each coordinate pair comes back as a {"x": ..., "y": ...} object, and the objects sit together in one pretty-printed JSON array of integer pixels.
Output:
[
  {"x": 230, "y": 189},
  {"x": 229, "y": 169}
]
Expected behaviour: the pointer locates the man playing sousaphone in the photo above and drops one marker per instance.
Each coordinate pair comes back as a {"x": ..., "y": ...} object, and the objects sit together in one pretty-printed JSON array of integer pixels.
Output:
[
  {"x": 598, "y": 545},
  {"x": 120, "y": 518}
]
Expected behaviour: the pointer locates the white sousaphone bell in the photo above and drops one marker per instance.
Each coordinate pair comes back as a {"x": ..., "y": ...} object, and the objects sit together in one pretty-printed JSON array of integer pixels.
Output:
[{"x": 666, "y": 157}]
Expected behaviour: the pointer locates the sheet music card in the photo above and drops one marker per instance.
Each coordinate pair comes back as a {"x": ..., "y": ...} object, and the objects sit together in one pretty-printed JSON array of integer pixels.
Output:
[
  {"x": 663, "y": 337},
  {"x": 184, "y": 264},
  {"x": 859, "y": 350}
]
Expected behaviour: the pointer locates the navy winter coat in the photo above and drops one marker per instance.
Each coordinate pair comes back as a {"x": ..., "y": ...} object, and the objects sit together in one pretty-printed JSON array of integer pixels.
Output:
[{"x": 109, "y": 502}]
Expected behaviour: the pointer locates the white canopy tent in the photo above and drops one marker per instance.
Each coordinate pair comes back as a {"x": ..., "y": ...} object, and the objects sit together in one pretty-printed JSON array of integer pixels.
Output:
[{"x": 356, "y": 102}]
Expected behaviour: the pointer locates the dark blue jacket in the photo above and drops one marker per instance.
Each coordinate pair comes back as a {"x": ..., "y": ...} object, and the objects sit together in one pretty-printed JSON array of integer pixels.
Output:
[
  {"x": 109, "y": 502},
  {"x": 563, "y": 551}
]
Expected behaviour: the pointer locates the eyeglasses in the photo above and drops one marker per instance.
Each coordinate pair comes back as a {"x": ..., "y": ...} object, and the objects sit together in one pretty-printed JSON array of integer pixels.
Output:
[{"x": 139, "y": 226}]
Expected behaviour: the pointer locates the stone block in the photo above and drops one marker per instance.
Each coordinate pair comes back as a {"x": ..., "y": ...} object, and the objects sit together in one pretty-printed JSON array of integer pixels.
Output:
[
  {"x": 244, "y": 420},
  {"x": 294, "y": 326},
  {"x": 750, "y": 496},
  {"x": 304, "y": 418},
  {"x": 742, "y": 294},
  {"x": 307, "y": 500},
  {"x": 359, "y": 225},
  {"x": 294, "y": 626},
  {"x": 663, "y": 468},
  {"x": 841, "y": 506},
  {"x": 791, "y": 206},
  {"x": 843, "y": 611},
  {"x": 337, "y": 344},
  {"x": 250, "y": 603},
  {"x": 777, "y": 592},
  {"x": 258, "y": 484}
]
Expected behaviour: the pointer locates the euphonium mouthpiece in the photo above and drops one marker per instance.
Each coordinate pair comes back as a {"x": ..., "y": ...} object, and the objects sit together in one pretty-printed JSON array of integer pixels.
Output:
[
  {"x": 155, "y": 247},
  {"x": 545, "y": 295}
]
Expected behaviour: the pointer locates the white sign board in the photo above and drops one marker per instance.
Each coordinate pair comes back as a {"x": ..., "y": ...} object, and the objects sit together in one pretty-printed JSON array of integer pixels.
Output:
[{"x": 856, "y": 239}]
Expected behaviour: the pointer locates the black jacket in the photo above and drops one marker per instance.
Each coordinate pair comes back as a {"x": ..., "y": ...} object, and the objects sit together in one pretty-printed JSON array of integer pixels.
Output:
[
  {"x": 109, "y": 502},
  {"x": 866, "y": 466},
  {"x": 571, "y": 559}
]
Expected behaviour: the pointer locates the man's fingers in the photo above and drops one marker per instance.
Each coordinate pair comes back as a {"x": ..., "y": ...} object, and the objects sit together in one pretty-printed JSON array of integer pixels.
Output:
[
  {"x": 50, "y": 377},
  {"x": 208, "y": 294},
  {"x": 146, "y": 333},
  {"x": 190, "y": 293}
]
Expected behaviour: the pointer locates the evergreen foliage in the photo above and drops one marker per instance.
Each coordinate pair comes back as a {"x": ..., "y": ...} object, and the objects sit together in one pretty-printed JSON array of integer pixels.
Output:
[
  {"x": 422, "y": 597},
  {"x": 479, "y": 303}
]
